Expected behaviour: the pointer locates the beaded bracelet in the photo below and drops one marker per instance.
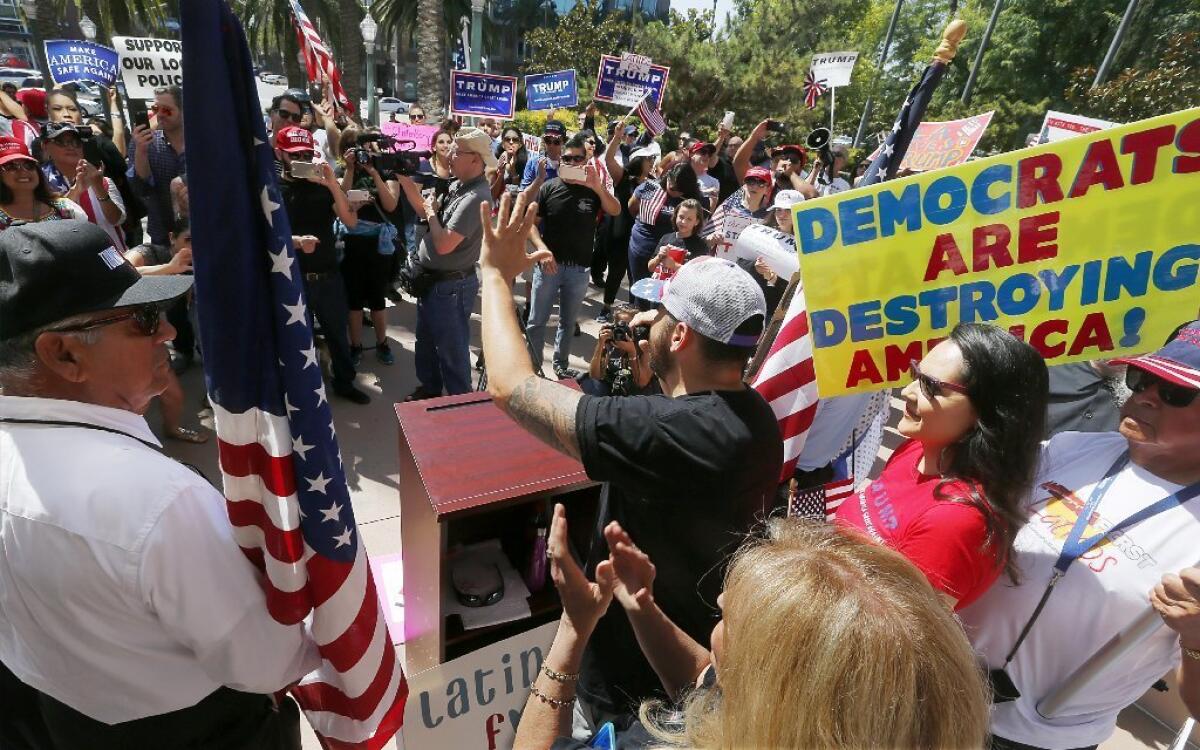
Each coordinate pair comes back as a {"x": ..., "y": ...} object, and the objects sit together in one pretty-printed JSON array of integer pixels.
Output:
[
  {"x": 554, "y": 703},
  {"x": 560, "y": 676}
]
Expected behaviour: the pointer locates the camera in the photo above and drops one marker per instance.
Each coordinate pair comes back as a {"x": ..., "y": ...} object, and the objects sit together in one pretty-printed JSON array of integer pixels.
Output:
[
  {"x": 775, "y": 126},
  {"x": 402, "y": 162},
  {"x": 623, "y": 332}
]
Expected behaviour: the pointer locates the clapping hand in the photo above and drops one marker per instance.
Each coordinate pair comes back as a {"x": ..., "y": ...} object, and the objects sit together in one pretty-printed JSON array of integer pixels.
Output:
[
  {"x": 583, "y": 601},
  {"x": 628, "y": 568}
]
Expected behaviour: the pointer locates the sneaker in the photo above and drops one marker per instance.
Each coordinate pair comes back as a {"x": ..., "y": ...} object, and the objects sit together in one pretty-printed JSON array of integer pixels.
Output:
[
  {"x": 605, "y": 317},
  {"x": 350, "y": 393},
  {"x": 356, "y": 355},
  {"x": 562, "y": 373},
  {"x": 383, "y": 353}
]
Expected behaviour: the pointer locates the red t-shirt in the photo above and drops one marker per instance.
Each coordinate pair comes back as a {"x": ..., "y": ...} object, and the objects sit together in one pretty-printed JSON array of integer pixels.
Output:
[{"x": 943, "y": 538}]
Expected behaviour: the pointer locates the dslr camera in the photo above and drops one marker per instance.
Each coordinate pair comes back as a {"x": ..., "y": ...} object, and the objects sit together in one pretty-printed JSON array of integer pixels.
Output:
[
  {"x": 402, "y": 162},
  {"x": 622, "y": 332}
]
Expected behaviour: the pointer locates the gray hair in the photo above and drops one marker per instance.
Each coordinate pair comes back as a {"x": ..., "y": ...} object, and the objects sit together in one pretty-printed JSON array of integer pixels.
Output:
[{"x": 18, "y": 358}]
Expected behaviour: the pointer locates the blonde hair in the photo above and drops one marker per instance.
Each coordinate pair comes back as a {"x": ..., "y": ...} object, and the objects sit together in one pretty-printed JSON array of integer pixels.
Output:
[{"x": 832, "y": 641}]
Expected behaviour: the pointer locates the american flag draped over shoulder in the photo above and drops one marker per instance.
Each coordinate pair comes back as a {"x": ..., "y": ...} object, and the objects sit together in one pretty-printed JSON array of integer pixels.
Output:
[
  {"x": 650, "y": 115},
  {"x": 813, "y": 90},
  {"x": 282, "y": 471},
  {"x": 318, "y": 60}
]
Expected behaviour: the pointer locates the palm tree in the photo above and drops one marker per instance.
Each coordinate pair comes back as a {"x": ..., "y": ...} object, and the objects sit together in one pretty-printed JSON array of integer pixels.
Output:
[{"x": 434, "y": 23}]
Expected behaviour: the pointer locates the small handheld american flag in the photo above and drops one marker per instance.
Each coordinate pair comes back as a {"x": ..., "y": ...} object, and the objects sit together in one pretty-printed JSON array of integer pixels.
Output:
[
  {"x": 318, "y": 60},
  {"x": 821, "y": 502},
  {"x": 651, "y": 117},
  {"x": 813, "y": 89}
]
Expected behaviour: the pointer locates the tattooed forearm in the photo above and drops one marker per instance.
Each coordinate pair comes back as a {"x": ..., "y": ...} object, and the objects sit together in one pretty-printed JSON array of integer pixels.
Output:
[{"x": 547, "y": 410}]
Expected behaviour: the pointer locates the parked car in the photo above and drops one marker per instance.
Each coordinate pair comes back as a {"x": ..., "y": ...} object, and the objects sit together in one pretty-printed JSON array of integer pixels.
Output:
[
  {"x": 16, "y": 75},
  {"x": 274, "y": 78},
  {"x": 390, "y": 104}
]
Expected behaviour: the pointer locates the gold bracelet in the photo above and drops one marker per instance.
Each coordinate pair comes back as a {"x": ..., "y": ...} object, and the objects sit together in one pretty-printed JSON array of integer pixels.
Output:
[
  {"x": 555, "y": 703},
  {"x": 560, "y": 676},
  {"x": 1191, "y": 653}
]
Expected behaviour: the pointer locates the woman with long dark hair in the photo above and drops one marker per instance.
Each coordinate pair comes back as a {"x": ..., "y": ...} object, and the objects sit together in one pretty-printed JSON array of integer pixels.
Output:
[
  {"x": 511, "y": 156},
  {"x": 949, "y": 498},
  {"x": 25, "y": 196},
  {"x": 653, "y": 207}
]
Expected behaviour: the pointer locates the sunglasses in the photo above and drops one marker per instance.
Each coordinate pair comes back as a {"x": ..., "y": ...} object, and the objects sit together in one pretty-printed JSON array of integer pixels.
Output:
[
  {"x": 417, "y": 118},
  {"x": 19, "y": 165},
  {"x": 931, "y": 386},
  {"x": 147, "y": 318},
  {"x": 511, "y": 139},
  {"x": 552, "y": 140},
  {"x": 160, "y": 109},
  {"x": 292, "y": 116},
  {"x": 1171, "y": 394},
  {"x": 573, "y": 159}
]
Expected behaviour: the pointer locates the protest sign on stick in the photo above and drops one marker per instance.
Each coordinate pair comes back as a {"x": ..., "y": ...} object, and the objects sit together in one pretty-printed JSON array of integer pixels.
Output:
[
  {"x": 626, "y": 86},
  {"x": 1059, "y": 125},
  {"x": 421, "y": 135},
  {"x": 936, "y": 145},
  {"x": 147, "y": 64},
  {"x": 551, "y": 90},
  {"x": 482, "y": 94},
  {"x": 1085, "y": 248},
  {"x": 69, "y": 61}
]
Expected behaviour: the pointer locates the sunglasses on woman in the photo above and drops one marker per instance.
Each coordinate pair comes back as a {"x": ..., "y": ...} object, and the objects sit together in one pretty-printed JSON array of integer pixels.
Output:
[
  {"x": 417, "y": 118},
  {"x": 755, "y": 182},
  {"x": 511, "y": 139},
  {"x": 19, "y": 165},
  {"x": 147, "y": 317},
  {"x": 931, "y": 386},
  {"x": 1171, "y": 394},
  {"x": 162, "y": 109},
  {"x": 552, "y": 140}
]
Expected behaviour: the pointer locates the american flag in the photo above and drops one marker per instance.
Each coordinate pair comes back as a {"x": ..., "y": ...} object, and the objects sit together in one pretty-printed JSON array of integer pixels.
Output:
[
  {"x": 282, "y": 471},
  {"x": 888, "y": 157},
  {"x": 813, "y": 89},
  {"x": 650, "y": 115},
  {"x": 788, "y": 382},
  {"x": 820, "y": 503},
  {"x": 318, "y": 60}
]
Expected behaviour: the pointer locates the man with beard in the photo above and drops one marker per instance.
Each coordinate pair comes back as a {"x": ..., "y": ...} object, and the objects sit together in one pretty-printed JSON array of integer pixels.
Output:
[{"x": 686, "y": 473}]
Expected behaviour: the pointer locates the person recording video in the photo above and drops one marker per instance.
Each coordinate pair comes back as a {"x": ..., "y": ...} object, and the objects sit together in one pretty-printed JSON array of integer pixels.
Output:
[{"x": 617, "y": 367}]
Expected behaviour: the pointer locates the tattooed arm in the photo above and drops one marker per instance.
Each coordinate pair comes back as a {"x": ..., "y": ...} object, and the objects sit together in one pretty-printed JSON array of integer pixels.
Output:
[{"x": 544, "y": 408}]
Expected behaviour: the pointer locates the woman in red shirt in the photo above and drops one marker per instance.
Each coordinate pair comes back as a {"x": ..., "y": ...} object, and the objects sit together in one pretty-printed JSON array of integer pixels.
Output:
[{"x": 949, "y": 498}]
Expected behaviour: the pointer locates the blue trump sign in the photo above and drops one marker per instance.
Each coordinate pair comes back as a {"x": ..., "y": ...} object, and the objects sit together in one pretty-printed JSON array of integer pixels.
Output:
[
  {"x": 624, "y": 85},
  {"x": 551, "y": 90},
  {"x": 482, "y": 95},
  {"x": 81, "y": 61}
]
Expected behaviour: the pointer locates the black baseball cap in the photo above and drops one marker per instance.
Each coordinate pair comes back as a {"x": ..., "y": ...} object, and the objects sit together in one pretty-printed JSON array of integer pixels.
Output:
[
  {"x": 55, "y": 129},
  {"x": 54, "y": 270},
  {"x": 554, "y": 127}
]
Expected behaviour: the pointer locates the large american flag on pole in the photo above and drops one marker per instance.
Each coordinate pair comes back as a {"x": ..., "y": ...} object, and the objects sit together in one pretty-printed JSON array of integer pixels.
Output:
[
  {"x": 318, "y": 60},
  {"x": 282, "y": 471}
]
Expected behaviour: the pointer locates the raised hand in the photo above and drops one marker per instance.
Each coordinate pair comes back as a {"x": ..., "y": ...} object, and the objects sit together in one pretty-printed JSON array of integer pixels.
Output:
[
  {"x": 584, "y": 602},
  {"x": 504, "y": 244},
  {"x": 628, "y": 568}
]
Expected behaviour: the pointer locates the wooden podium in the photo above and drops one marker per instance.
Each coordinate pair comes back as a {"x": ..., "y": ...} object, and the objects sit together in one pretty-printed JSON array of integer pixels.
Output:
[{"x": 468, "y": 473}]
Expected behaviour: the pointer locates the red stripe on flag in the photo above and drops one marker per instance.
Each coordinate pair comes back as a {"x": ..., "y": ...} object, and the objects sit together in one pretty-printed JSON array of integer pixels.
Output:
[
  {"x": 787, "y": 381},
  {"x": 794, "y": 424},
  {"x": 285, "y": 546},
  {"x": 321, "y": 696},
  {"x": 388, "y": 726},
  {"x": 287, "y": 607},
  {"x": 792, "y": 330},
  {"x": 326, "y": 576},
  {"x": 277, "y": 473},
  {"x": 344, "y": 651}
]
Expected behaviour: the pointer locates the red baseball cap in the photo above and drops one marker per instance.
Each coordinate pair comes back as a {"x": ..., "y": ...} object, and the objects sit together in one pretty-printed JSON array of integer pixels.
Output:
[
  {"x": 1177, "y": 362},
  {"x": 34, "y": 102},
  {"x": 759, "y": 173},
  {"x": 699, "y": 146},
  {"x": 12, "y": 149},
  {"x": 294, "y": 139}
]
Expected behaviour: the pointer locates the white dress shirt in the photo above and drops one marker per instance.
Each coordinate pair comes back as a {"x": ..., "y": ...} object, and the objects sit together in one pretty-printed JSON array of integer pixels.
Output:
[{"x": 122, "y": 591}]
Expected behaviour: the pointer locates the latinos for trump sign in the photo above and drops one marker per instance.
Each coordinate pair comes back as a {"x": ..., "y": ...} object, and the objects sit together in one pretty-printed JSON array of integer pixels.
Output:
[
  {"x": 482, "y": 95},
  {"x": 81, "y": 61},
  {"x": 937, "y": 145},
  {"x": 624, "y": 84},
  {"x": 148, "y": 64},
  {"x": 1085, "y": 248},
  {"x": 834, "y": 68},
  {"x": 551, "y": 90}
]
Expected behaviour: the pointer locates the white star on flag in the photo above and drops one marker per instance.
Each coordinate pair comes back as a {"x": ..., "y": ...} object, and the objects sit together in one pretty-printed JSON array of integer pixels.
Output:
[
  {"x": 896, "y": 127},
  {"x": 299, "y": 446},
  {"x": 321, "y": 395},
  {"x": 310, "y": 357},
  {"x": 332, "y": 513},
  {"x": 332, "y": 429},
  {"x": 343, "y": 539},
  {"x": 268, "y": 206},
  {"x": 281, "y": 262},
  {"x": 287, "y": 405},
  {"x": 296, "y": 312},
  {"x": 888, "y": 149},
  {"x": 317, "y": 484}
]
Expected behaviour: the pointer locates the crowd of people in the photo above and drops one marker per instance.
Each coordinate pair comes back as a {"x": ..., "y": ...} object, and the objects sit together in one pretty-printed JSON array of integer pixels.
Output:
[{"x": 994, "y": 553}]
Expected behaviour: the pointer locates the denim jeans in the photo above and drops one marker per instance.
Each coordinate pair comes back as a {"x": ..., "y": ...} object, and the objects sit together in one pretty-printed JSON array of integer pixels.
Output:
[
  {"x": 327, "y": 302},
  {"x": 443, "y": 355},
  {"x": 568, "y": 287}
]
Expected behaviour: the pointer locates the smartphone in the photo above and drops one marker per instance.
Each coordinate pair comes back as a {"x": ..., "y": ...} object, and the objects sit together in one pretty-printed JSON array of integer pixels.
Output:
[
  {"x": 727, "y": 121},
  {"x": 140, "y": 117},
  {"x": 358, "y": 195},
  {"x": 303, "y": 169},
  {"x": 572, "y": 172},
  {"x": 775, "y": 126}
]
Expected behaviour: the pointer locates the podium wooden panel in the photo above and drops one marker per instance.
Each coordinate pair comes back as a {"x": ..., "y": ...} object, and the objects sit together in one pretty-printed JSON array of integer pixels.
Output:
[{"x": 460, "y": 456}]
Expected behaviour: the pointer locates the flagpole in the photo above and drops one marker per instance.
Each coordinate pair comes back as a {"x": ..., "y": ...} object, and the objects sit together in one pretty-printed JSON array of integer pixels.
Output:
[
  {"x": 983, "y": 43},
  {"x": 887, "y": 45},
  {"x": 1116, "y": 43},
  {"x": 832, "y": 102}
]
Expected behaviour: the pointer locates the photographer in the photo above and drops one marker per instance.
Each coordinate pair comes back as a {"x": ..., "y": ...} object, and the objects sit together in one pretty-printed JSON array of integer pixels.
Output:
[
  {"x": 370, "y": 245},
  {"x": 443, "y": 277},
  {"x": 617, "y": 367}
]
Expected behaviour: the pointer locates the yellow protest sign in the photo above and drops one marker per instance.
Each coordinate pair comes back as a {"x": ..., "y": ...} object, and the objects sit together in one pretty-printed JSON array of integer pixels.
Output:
[{"x": 1085, "y": 248}]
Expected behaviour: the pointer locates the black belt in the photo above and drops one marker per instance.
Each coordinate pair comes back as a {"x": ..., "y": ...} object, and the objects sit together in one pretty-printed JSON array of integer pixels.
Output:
[
  {"x": 318, "y": 276},
  {"x": 437, "y": 276}
]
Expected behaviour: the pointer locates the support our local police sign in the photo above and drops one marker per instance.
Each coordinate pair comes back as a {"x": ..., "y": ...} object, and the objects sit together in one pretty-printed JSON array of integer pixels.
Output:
[
  {"x": 148, "y": 64},
  {"x": 624, "y": 85},
  {"x": 81, "y": 61},
  {"x": 482, "y": 94},
  {"x": 551, "y": 90}
]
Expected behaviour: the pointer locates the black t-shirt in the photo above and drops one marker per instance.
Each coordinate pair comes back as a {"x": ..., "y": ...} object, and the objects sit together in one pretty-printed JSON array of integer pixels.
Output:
[
  {"x": 687, "y": 477},
  {"x": 568, "y": 213},
  {"x": 723, "y": 171},
  {"x": 694, "y": 246},
  {"x": 310, "y": 211}
]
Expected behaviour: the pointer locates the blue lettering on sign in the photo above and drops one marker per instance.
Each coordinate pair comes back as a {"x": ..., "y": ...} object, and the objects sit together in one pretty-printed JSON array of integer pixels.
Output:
[
  {"x": 482, "y": 95},
  {"x": 611, "y": 73},
  {"x": 551, "y": 90}
]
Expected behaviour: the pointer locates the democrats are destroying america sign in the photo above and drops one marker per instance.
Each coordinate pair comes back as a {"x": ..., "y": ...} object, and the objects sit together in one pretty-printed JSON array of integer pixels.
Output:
[{"x": 1085, "y": 248}]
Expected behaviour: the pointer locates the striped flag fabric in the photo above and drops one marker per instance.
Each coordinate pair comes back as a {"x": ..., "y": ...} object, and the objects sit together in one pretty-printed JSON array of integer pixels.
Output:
[
  {"x": 282, "y": 471},
  {"x": 650, "y": 115},
  {"x": 651, "y": 205},
  {"x": 813, "y": 89},
  {"x": 787, "y": 381},
  {"x": 318, "y": 60},
  {"x": 820, "y": 503}
]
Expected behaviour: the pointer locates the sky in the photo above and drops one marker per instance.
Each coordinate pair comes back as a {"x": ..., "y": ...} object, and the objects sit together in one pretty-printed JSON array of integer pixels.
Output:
[{"x": 723, "y": 7}]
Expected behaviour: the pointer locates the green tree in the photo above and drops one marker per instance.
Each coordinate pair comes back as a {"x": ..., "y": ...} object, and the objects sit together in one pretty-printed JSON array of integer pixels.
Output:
[
  {"x": 577, "y": 41},
  {"x": 1140, "y": 92}
]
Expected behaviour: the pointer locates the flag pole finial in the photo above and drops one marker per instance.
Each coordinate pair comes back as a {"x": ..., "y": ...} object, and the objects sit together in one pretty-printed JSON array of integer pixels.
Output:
[{"x": 951, "y": 38}]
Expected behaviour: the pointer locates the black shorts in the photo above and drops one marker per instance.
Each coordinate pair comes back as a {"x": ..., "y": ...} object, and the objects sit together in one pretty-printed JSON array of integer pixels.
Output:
[{"x": 366, "y": 273}]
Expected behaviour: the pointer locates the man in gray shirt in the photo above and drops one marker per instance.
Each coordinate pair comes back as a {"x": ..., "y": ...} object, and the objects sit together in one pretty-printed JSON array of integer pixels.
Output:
[{"x": 447, "y": 253}]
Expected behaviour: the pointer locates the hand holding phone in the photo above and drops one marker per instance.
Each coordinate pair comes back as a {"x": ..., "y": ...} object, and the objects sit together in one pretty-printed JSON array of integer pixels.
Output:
[
  {"x": 358, "y": 196},
  {"x": 305, "y": 170},
  {"x": 572, "y": 173},
  {"x": 141, "y": 118},
  {"x": 775, "y": 126}
]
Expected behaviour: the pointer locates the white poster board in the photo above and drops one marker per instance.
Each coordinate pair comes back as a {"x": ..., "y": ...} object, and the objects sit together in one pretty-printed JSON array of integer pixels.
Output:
[
  {"x": 834, "y": 68},
  {"x": 147, "y": 64},
  {"x": 1060, "y": 125},
  {"x": 476, "y": 700}
]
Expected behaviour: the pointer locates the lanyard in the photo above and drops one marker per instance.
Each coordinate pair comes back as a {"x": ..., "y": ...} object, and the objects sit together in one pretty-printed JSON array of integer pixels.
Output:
[{"x": 1076, "y": 545}]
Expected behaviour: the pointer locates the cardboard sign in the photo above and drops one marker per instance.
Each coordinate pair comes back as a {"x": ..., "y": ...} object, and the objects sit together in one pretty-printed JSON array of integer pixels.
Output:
[
  {"x": 834, "y": 68},
  {"x": 421, "y": 135},
  {"x": 1059, "y": 125},
  {"x": 936, "y": 145},
  {"x": 625, "y": 88},
  {"x": 733, "y": 225},
  {"x": 482, "y": 94},
  {"x": 476, "y": 700},
  {"x": 81, "y": 61},
  {"x": 551, "y": 90},
  {"x": 1085, "y": 248},
  {"x": 147, "y": 64},
  {"x": 636, "y": 65},
  {"x": 533, "y": 144}
]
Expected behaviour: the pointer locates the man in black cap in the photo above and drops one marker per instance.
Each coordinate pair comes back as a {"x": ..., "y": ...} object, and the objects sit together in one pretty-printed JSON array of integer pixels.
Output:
[
  {"x": 129, "y": 617},
  {"x": 553, "y": 136}
]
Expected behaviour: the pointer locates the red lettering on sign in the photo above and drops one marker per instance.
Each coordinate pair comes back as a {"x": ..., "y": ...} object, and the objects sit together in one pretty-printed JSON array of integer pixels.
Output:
[
  {"x": 1037, "y": 177},
  {"x": 945, "y": 255},
  {"x": 1144, "y": 146},
  {"x": 862, "y": 367},
  {"x": 1037, "y": 237},
  {"x": 1099, "y": 167},
  {"x": 990, "y": 245},
  {"x": 1093, "y": 332}
]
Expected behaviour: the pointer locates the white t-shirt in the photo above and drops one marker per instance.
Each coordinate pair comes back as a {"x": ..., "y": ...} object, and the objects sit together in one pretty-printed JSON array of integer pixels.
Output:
[{"x": 1101, "y": 594}]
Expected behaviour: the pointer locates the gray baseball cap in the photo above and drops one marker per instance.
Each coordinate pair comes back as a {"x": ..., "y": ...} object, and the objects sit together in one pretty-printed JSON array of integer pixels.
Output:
[{"x": 718, "y": 300}]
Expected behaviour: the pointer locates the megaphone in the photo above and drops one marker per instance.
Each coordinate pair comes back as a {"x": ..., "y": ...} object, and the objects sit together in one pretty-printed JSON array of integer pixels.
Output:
[{"x": 818, "y": 141}]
